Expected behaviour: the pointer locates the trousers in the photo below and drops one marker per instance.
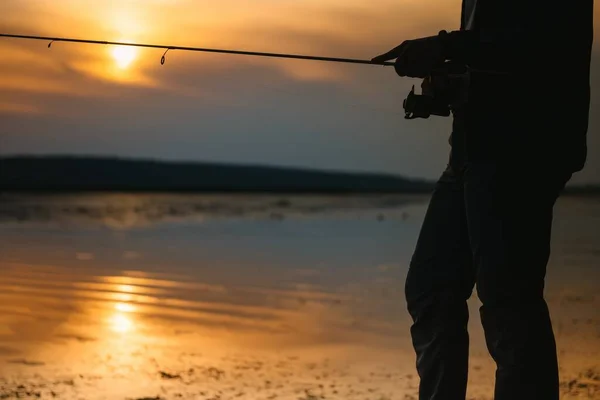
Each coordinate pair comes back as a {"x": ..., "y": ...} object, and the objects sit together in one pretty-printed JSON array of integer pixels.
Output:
[{"x": 487, "y": 226}]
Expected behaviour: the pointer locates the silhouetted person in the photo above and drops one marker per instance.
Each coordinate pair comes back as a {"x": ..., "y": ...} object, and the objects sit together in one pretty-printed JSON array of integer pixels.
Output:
[{"x": 515, "y": 144}]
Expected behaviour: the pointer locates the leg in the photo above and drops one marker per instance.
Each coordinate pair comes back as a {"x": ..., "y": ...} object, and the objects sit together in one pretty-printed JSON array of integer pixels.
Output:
[
  {"x": 439, "y": 282},
  {"x": 509, "y": 215}
]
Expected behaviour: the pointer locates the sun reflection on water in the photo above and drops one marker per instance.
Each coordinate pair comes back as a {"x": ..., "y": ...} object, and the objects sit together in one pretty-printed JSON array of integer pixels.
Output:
[
  {"x": 125, "y": 289},
  {"x": 123, "y": 297},
  {"x": 125, "y": 307},
  {"x": 121, "y": 320},
  {"x": 121, "y": 323}
]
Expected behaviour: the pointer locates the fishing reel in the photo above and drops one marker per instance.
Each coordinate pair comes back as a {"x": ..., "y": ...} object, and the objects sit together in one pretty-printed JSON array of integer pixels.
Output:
[
  {"x": 423, "y": 106},
  {"x": 444, "y": 90}
]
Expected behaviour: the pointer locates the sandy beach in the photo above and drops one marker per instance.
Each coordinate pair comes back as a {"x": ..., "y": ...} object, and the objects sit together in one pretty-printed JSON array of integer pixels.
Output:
[{"x": 247, "y": 297}]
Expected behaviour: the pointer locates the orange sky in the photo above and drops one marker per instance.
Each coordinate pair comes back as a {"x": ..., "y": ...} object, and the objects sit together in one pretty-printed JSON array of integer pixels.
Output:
[
  {"x": 339, "y": 28},
  {"x": 72, "y": 87}
]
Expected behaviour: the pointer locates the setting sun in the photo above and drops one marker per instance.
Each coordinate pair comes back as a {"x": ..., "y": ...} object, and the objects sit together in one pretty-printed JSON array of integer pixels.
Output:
[{"x": 124, "y": 56}]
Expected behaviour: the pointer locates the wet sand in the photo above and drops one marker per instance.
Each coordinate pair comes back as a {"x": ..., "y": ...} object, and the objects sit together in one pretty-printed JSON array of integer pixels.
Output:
[{"x": 256, "y": 297}]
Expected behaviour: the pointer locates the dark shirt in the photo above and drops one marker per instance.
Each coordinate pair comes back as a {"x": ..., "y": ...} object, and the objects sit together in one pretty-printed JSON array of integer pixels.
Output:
[
  {"x": 538, "y": 109},
  {"x": 468, "y": 14}
]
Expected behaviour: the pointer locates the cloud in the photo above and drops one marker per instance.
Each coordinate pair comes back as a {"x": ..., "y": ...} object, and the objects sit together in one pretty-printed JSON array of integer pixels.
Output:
[{"x": 73, "y": 99}]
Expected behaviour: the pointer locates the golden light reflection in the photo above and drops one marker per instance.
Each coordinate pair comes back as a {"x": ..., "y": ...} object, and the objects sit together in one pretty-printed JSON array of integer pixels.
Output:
[
  {"x": 124, "y": 56},
  {"x": 123, "y": 296},
  {"x": 122, "y": 320},
  {"x": 125, "y": 289},
  {"x": 121, "y": 323},
  {"x": 125, "y": 307}
]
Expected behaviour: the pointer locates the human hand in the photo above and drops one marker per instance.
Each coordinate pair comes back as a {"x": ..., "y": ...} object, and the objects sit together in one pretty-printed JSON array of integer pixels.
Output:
[{"x": 415, "y": 58}]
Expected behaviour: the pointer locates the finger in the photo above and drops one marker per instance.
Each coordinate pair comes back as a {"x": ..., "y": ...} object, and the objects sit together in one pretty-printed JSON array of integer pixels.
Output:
[
  {"x": 417, "y": 71},
  {"x": 413, "y": 71},
  {"x": 426, "y": 85},
  {"x": 390, "y": 55},
  {"x": 404, "y": 61},
  {"x": 380, "y": 58},
  {"x": 401, "y": 71},
  {"x": 402, "y": 66},
  {"x": 384, "y": 57}
]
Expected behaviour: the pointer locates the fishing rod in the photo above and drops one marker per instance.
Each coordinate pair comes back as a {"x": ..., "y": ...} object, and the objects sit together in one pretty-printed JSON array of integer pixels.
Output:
[
  {"x": 196, "y": 49},
  {"x": 447, "y": 76}
]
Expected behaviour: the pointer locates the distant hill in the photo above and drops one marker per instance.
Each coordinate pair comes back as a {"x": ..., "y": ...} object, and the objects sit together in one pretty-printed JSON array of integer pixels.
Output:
[{"x": 62, "y": 173}]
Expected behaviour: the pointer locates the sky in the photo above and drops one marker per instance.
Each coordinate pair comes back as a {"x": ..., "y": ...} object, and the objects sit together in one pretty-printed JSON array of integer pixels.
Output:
[{"x": 103, "y": 100}]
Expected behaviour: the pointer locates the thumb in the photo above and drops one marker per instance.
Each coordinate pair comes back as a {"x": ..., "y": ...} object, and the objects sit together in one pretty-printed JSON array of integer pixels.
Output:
[
  {"x": 381, "y": 58},
  {"x": 394, "y": 53}
]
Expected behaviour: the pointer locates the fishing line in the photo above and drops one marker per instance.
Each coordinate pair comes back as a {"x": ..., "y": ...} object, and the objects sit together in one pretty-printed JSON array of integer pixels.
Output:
[{"x": 168, "y": 48}]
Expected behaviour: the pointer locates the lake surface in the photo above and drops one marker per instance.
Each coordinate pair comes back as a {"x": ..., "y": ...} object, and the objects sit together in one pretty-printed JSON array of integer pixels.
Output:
[{"x": 119, "y": 296}]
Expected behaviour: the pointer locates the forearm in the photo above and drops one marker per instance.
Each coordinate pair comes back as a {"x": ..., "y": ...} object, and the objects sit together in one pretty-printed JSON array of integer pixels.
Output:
[{"x": 502, "y": 49}]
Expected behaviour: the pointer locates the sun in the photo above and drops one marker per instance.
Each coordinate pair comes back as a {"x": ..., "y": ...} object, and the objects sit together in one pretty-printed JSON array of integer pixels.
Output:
[{"x": 124, "y": 56}]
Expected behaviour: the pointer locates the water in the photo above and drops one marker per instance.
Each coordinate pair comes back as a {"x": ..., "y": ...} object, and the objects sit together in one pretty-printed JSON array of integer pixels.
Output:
[{"x": 246, "y": 297}]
